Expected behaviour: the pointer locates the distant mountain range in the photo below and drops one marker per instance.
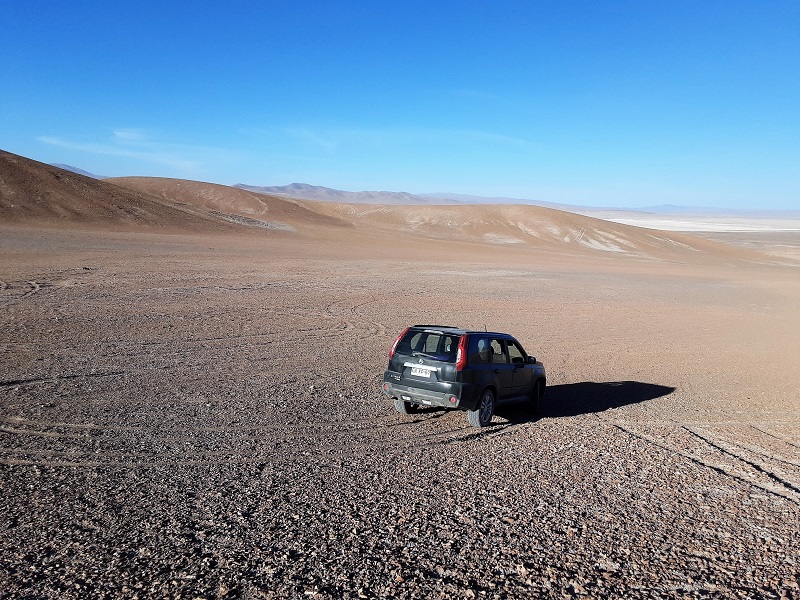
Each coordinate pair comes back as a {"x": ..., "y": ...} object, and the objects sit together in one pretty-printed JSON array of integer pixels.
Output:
[
  {"x": 77, "y": 170},
  {"x": 305, "y": 191}
]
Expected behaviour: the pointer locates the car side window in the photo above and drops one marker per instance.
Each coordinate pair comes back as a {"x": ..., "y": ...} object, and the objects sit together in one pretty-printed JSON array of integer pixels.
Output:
[
  {"x": 497, "y": 351},
  {"x": 479, "y": 349},
  {"x": 515, "y": 353}
]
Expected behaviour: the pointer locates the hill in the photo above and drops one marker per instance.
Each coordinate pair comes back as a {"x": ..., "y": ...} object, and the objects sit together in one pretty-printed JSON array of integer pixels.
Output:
[
  {"x": 233, "y": 204},
  {"x": 665, "y": 217},
  {"x": 493, "y": 226},
  {"x": 77, "y": 170},
  {"x": 522, "y": 226},
  {"x": 34, "y": 193}
]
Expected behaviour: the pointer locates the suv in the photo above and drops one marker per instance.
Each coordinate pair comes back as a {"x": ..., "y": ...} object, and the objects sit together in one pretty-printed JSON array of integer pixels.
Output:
[{"x": 433, "y": 365}]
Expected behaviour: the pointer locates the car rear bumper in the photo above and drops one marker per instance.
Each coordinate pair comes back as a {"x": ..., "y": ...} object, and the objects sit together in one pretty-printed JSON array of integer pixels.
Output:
[{"x": 449, "y": 395}]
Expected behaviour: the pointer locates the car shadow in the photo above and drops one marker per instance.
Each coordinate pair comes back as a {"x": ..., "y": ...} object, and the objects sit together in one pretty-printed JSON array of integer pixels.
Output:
[{"x": 572, "y": 399}]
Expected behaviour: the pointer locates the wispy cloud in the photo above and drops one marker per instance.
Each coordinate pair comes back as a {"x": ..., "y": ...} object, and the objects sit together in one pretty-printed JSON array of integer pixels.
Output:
[
  {"x": 130, "y": 135},
  {"x": 136, "y": 144}
]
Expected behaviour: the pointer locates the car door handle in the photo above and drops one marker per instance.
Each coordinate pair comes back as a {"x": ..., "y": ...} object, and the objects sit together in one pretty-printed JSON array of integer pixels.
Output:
[{"x": 495, "y": 370}]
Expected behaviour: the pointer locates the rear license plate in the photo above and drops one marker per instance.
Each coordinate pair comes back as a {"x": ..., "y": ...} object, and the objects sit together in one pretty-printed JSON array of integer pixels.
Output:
[{"x": 417, "y": 372}]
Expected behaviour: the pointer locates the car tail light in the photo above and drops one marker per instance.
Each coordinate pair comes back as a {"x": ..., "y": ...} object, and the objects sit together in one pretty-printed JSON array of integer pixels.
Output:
[
  {"x": 397, "y": 341},
  {"x": 461, "y": 356}
]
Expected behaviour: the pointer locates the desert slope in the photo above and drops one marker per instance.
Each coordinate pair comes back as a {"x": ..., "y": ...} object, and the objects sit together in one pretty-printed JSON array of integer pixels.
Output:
[
  {"x": 534, "y": 228},
  {"x": 34, "y": 193},
  {"x": 229, "y": 202},
  {"x": 521, "y": 226}
]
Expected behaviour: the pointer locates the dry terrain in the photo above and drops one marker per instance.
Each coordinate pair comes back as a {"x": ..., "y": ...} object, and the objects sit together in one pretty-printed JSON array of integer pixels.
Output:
[{"x": 190, "y": 401}]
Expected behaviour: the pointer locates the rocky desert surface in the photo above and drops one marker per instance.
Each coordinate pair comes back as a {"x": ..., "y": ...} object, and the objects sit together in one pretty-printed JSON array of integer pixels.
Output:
[{"x": 190, "y": 402}]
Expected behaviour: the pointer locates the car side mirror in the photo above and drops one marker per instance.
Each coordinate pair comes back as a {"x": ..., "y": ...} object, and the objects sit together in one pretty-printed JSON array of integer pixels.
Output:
[{"x": 532, "y": 360}]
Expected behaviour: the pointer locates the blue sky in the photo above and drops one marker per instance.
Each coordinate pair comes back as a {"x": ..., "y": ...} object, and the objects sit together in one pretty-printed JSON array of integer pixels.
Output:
[{"x": 636, "y": 103}]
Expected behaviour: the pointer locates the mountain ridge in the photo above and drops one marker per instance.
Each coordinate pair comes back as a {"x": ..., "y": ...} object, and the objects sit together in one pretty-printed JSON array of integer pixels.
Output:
[
  {"x": 77, "y": 170},
  {"x": 305, "y": 191},
  {"x": 33, "y": 194}
]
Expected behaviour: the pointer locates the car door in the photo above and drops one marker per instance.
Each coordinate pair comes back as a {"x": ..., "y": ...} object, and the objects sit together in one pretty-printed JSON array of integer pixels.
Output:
[
  {"x": 502, "y": 370},
  {"x": 522, "y": 371}
]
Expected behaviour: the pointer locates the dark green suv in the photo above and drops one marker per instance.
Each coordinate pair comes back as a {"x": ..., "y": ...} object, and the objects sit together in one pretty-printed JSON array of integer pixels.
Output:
[{"x": 433, "y": 365}]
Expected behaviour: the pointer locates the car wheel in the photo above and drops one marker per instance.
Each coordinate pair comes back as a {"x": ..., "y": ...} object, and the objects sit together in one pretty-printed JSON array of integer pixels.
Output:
[
  {"x": 483, "y": 413},
  {"x": 536, "y": 396},
  {"x": 403, "y": 407}
]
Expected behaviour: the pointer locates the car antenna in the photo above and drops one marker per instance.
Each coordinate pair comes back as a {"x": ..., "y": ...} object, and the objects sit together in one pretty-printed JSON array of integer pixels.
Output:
[{"x": 484, "y": 328}]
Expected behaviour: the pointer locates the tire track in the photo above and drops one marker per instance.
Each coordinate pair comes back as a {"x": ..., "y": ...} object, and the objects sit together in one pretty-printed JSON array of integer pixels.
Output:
[
  {"x": 309, "y": 448},
  {"x": 703, "y": 423},
  {"x": 757, "y": 467},
  {"x": 57, "y": 378},
  {"x": 321, "y": 308},
  {"x": 776, "y": 436},
  {"x": 219, "y": 429},
  {"x": 777, "y": 490},
  {"x": 766, "y": 454},
  {"x": 352, "y": 317}
]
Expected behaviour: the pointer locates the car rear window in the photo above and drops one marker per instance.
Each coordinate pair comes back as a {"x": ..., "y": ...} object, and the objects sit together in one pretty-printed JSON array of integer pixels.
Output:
[{"x": 435, "y": 344}]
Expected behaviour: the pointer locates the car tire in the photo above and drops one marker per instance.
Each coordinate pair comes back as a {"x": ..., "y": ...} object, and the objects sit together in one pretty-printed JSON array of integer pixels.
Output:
[
  {"x": 536, "y": 396},
  {"x": 483, "y": 413},
  {"x": 403, "y": 407}
]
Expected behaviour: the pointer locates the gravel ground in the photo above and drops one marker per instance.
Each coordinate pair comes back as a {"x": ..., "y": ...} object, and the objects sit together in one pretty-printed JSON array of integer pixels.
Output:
[{"x": 202, "y": 419}]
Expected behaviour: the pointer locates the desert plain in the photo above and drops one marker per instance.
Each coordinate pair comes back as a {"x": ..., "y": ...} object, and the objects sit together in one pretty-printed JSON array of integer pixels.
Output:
[{"x": 190, "y": 400}]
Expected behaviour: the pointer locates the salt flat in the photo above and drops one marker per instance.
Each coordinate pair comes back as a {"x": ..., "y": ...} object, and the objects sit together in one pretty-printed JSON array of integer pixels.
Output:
[{"x": 702, "y": 222}]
